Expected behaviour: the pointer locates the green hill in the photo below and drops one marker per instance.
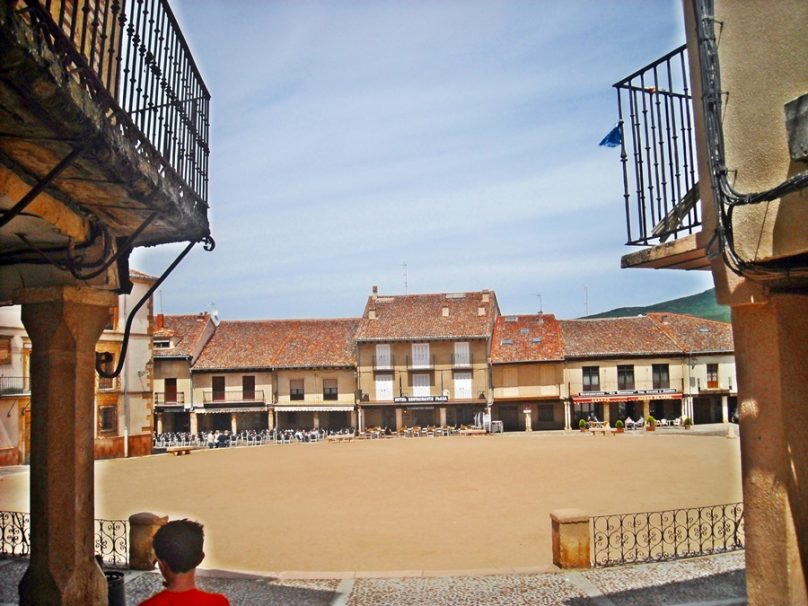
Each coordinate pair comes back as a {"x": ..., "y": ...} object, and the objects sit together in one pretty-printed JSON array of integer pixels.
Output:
[{"x": 703, "y": 305}]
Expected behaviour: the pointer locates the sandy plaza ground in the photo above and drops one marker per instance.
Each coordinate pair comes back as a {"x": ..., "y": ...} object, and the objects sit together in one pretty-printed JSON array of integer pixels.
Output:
[{"x": 436, "y": 504}]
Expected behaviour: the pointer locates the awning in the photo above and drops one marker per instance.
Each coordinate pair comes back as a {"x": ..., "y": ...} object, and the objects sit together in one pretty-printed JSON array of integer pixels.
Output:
[
  {"x": 229, "y": 409},
  {"x": 625, "y": 398},
  {"x": 314, "y": 408}
]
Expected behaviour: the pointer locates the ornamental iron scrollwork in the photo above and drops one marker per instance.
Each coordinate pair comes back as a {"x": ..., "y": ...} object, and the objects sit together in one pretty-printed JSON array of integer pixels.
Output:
[
  {"x": 632, "y": 538},
  {"x": 111, "y": 540}
]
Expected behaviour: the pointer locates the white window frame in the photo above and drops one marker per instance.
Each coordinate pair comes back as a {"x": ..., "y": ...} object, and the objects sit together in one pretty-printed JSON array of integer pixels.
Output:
[
  {"x": 463, "y": 388},
  {"x": 462, "y": 353},
  {"x": 421, "y": 385},
  {"x": 420, "y": 355},
  {"x": 383, "y": 385}
]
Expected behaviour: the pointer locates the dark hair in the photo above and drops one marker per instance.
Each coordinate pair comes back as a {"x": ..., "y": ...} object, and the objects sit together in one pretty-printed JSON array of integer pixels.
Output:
[{"x": 179, "y": 545}]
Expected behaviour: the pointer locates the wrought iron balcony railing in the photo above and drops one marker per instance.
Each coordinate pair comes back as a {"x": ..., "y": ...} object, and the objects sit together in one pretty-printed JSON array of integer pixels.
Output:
[
  {"x": 421, "y": 363},
  {"x": 462, "y": 360},
  {"x": 383, "y": 362},
  {"x": 162, "y": 398},
  {"x": 234, "y": 396},
  {"x": 658, "y": 151},
  {"x": 132, "y": 58},
  {"x": 14, "y": 386}
]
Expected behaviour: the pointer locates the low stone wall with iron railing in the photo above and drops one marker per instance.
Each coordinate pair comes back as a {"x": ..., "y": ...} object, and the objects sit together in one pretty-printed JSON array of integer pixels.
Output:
[{"x": 581, "y": 541}]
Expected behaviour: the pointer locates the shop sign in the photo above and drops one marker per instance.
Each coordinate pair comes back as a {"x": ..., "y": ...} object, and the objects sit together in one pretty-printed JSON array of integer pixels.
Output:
[{"x": 419, "y": 399}]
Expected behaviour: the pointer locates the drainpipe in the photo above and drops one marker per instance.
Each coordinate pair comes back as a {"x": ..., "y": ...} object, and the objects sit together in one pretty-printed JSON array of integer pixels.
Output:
[{"x": 124, "y": 388}]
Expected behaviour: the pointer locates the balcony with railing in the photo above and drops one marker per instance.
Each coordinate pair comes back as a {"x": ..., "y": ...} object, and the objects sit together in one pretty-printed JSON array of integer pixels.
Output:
[
  {"x": 231, "y": 397},
  {"x": 169, "y": 399},
  {"x": 659, "y": 165},
  {"x": 105, "y": 122},
  {"x": 383, "y": 362},
  {"x": 15, "y": 386},
  {"x": 465, "y": 360},
  {"x": 421, "y": 362}
]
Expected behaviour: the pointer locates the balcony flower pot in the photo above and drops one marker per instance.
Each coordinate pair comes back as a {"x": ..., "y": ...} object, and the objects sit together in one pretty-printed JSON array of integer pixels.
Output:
[{"x": 620, "y": 426}]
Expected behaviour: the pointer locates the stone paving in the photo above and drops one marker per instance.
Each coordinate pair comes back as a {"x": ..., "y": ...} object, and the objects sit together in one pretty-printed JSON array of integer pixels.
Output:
[{"x": 708, "y": 581}]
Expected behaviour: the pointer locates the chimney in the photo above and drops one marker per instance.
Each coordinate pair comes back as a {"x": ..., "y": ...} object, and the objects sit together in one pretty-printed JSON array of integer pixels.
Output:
[
  {"x": 375, "y": 291},
  {"x": 445, "y": 310},
  {"x": 160, "y": 320},
  {"x": 486, "y": 296},
  {"x": 372, "y": 313}
]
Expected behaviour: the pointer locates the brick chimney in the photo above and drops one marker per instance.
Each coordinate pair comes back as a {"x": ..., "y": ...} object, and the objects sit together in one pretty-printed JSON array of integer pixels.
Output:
[
  {"x": 375, "y": 291},
  {"x": 160, "y": 320}
]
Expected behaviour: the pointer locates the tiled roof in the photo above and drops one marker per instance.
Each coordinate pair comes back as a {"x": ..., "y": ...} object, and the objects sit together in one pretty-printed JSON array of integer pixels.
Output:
[
  {"x": 280, "y": 344},
  {"x": 609, "y": 337},
  {"x": 422, "y": 317},
  {"x": 694, "y": 334},
  {"x": 184, "y": 333},
  {"x": 528, "y": 338},
  {"x": 319, "y": 343},
  {"x": 133, "y": 273}
]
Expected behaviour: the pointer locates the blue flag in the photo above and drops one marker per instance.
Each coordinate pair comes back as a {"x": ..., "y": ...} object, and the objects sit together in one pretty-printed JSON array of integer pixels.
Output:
[{"x": 614, "y": 138}]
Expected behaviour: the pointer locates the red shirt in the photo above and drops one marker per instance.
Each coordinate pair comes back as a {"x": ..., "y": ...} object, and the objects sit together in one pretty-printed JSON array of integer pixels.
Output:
[{"x": 192, "y": 597}]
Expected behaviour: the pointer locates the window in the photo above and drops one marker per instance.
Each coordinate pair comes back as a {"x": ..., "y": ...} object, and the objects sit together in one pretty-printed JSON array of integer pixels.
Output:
[
  {"x": 171, "y": 391},
  {"x": 591, "y": 378},
  {"x": 248, "y": 388},
  {"x": 420, "y": 385},
  {"x": 5, "y": 350},
  {"x": 296, "y": 391},
  {"x": 218, "y": 388},
  {"x": 382, "y": 358},
  {"x": 162, "y": 344},
  {"x": 660, "y": 376},
  {"x": 420, "y": 355},
  {"x": 330, "y": 389},
  {"x": 712, "y": 376},
  {"x": 625, "y": 378},
  {"x": 107, "y": 365},
  {"x": 384, "y": 387},
  {"x": 462, "y": 356},
  {"x": 462, "y": 386},
  {"x": 108, "y": 419}
]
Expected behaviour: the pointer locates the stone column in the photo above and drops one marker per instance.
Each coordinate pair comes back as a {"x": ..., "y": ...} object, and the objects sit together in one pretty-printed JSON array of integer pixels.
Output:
[
  {"x": 725, "y": 409},
  {"x": 194, "y": 423},
  {"x": 567, "y": 416},
  {"x": 646, "y": 409},
  {"x": 316, "y": 420},
  {"x": 270, "y": 419},
  {"x": 571, "y": 543},
  {"x": 443, "y": 416},
  {"x": 159, "y": 416},
  {"x": 399, "y": 421},
  {"x": 528, "y": 421},
  {"x": 64, "y": 324},
  {"x": 771, "y": 349},
  {"x": 606, "y": 412},
  {"x": 233, "y": 423}
]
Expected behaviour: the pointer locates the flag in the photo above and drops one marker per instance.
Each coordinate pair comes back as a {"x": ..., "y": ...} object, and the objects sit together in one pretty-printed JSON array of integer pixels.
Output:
[{"x": 614, "y": 138}]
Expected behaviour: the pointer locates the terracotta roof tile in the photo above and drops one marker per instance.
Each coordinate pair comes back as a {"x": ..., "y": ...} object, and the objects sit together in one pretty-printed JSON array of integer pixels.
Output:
[
  {"x": 279, "y": 344},
  {"x": 422, "y": 317},
  {"x": 694, "y": 334},
  {"x": 183, "y": 331},
  {"x": 609, "y": 337},
  {"x": 527, "y": 338}
]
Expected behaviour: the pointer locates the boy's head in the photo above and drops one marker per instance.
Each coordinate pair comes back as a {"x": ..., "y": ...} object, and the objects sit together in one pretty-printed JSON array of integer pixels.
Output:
[{"x": 178, "y": 545}]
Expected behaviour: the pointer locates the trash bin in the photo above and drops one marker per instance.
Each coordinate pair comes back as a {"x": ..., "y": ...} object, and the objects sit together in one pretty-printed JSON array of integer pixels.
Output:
[{"x": 115, "y": 591}]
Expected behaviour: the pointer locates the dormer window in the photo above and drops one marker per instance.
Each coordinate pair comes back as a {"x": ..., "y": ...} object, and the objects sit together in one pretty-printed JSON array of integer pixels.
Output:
[
  {"x": 506, "y": 342},
  {"x": 162, "y": 344}
]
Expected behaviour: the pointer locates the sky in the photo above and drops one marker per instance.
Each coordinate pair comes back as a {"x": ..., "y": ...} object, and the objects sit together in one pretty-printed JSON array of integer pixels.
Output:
[{"x": 420, "y": 146}]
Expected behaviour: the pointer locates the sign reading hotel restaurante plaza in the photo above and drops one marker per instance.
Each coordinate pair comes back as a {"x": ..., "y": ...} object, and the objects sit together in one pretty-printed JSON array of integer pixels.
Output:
[{"x": 419, "y": 399}]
